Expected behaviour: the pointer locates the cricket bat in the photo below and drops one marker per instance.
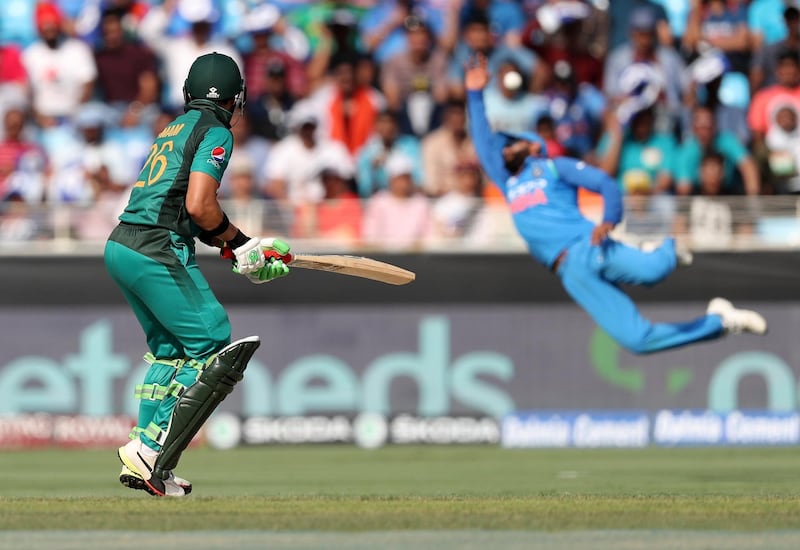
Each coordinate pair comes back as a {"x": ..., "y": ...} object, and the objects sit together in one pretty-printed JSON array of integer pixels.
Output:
[{"x": 354, "y": 266}]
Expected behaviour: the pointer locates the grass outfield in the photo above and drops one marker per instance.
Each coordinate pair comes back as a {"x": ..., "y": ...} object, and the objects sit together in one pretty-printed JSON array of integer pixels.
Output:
[{"x": 344, "y": 489}]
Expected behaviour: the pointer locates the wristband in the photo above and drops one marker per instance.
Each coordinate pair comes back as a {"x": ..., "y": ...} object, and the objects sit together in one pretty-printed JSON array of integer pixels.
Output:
[
  {"x": 221, "y": 228},
  {"x": 238, "y": 240}
]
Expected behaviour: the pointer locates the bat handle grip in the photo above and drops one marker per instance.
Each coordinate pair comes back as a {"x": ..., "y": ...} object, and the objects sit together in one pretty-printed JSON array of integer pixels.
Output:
[{"x": 226, "y": 253}]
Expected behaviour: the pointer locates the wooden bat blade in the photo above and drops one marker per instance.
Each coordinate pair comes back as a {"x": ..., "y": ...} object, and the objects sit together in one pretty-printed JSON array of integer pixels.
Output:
[{"x": 355, "y": 266}]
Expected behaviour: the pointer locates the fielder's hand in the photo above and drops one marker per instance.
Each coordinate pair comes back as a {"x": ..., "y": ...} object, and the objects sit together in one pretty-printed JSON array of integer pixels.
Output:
[
  {"x": 600, "y": 232},
  {"x": 249, "y": 257}
]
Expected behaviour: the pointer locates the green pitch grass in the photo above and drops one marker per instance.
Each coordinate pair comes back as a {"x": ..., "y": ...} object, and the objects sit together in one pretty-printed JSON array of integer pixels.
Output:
[{"x": 345, "y": 489}]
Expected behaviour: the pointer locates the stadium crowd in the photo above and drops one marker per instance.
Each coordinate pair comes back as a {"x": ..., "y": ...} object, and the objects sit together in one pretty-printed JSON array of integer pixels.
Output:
[{"x": 354, "y": 127}]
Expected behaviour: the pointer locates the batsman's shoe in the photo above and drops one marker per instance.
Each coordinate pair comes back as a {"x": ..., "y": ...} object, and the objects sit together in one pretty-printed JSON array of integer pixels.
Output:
[
  {"x": 131, "y": 455},
  {"x": 736, "y": 320},
  {"x": 132, "y": 480}
]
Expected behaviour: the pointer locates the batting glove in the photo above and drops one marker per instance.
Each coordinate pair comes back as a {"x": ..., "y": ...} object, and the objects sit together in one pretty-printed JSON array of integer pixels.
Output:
[
  {"x": 272, "y": 270},
  {"x": 249, "y": 257}
]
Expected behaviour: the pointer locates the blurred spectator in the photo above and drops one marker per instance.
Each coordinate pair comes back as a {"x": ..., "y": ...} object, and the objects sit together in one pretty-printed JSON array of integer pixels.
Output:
[
  {"x": 446, "y": 148},
  {"x": 372, "y": 158},
  {"x": 576, "y": 109},
  {"x": 17, "y": 224},
  {"x": 292, "y": 167},
  {"x": 712, "y": 84},
  {"x": 510, "y": 107},
  {"x": 13, "y": 79},
  {"x": 269, "y": 111},
  {"x": 677, "y": 12},
  {"x": 765, "y": 20},
  {"x": 338, "y": 216},
  {"x": 766, "y": 102},
  {"x": 705, "y": 137},
  {"x": 645, "y": 49},
  {"x": 460, "y": 214},
  {"x": 61, "y": 70},
  {"x": 720, "y": 24},
  {"x": 506, "y": 18},
  {"x": 337, "y": 37},
  {"x": 262, "y": 24},
  {"x": 559, "y": 34},
  {"x": 382, "y": 26},
  {"x": 476, "y": 38},
  {"x": 240, "y": 191},
  {"x": 639, "y": 156},
  {"x": 177, "y": 53},
  {"x": 22, "y": 162},
  {"x": 711, "y": 174},
  {"x": 350, "y": 106},
  {"x": 764, "y": 63},
  {"x": 783, "y": 151},
  {"x": 127, "y": 72},
  {"x": 414, "y": 81},
  {"x": 399, "y": 217},
  {"x": 253, "y": 147},
  {"x": 620, "y": 12}
]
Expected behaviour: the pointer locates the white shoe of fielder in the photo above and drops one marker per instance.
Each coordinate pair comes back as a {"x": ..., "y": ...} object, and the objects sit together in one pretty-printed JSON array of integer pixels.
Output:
[
  {"x": 736, "y": 320},
  {"x": 132, "y": 480},
  {"x": 141, "y": 463}
]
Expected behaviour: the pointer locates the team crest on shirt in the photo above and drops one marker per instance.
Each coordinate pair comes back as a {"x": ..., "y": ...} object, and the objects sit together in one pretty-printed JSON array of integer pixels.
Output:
[{"x": 217, "y": 156}]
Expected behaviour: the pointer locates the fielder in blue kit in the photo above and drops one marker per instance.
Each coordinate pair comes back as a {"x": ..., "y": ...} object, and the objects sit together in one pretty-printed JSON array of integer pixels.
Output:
[{"x": 542, "y": 196}]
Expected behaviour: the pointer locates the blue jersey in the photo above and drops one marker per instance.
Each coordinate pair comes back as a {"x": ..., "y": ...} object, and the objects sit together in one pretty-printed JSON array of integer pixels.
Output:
[{"x": 543, "y": 195}]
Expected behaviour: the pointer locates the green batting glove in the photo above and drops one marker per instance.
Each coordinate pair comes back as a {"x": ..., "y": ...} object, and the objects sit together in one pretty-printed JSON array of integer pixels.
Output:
[
  {"x": 278, "y": 245},
  {"x": 274, "y": 269}
]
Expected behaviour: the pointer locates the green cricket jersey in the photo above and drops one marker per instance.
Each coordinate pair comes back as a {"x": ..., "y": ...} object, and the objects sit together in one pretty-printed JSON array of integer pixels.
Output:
[{"x": 194, "y": 142}]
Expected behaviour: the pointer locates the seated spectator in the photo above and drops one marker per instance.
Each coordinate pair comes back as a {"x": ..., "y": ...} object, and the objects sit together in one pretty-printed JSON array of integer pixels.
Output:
[
  {"x": 337, "y": 218},
  {"x": 372, "y": 158},
  {"x": 510, "y": 107},
  {"x": 726, "y": 93},
  {"x": 446, "y": 148},
  {"x": 711, "y": 174},
  {"x": 263, "y": 24},
  {"x": 290, "y": 174},
  {"x": 722, "y": 25},
  {"x": 127, "y": 72},
  {"x": 397, "y": 218},
  {"x": 415, "y": 81},
  {"x": 61, "y": 70},
  {"x": 269, "y": 111},
  {"x": 23, "y": 163},
  {"x": 177, "y": 53},
  {"x": 350, "y": 106},
  {"x": 783, "y": 152},
  {"x": 256, "y": 149},
  {"x": 639, "y": 155},
  {"x": 476, "y": 38},
  {"x": 240, "y": 193},
  {"x": 764, "y": 62},
  {"x": 460, "y": 214},
  {"x": 506, "y": 18},
  {"x": 564, "y": 39},
  {"x": 382, "y": 26},
  {"x": 332, "y": 29},
  {"x": 705, "y": 137},
  {"x": 766, "y": 102},
  {"x": 644, "y": 49},
  {"x": 13, "y": 79},
  {"x": 576, "y": 109},
  {"x": 619, "y": 13},
  {"x": 18, "y": 224}
]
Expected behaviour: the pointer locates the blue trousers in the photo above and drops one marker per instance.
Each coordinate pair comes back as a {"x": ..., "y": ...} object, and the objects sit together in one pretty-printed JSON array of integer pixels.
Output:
[{"x": 591, "y": 275}]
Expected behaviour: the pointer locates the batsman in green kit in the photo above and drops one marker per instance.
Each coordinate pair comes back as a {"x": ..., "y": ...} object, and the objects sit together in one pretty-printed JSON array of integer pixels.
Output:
[{"x": 151, "y": 257}]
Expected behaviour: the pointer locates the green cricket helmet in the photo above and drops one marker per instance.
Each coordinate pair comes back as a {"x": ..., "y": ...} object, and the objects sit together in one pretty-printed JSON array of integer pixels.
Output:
[{"x": 215, "y": 77}]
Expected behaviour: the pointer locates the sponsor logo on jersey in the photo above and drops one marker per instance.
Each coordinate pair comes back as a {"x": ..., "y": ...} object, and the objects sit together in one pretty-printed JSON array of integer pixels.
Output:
[{"x": 218, "y": 154}]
